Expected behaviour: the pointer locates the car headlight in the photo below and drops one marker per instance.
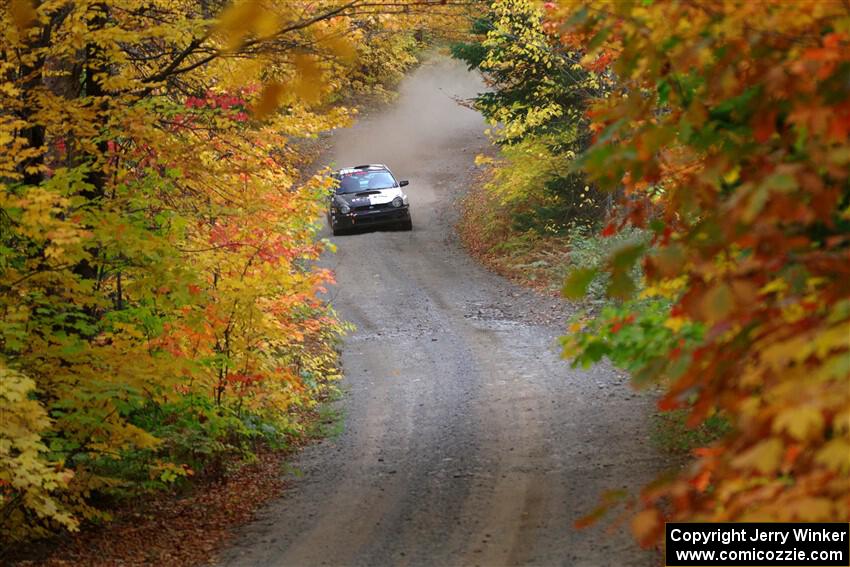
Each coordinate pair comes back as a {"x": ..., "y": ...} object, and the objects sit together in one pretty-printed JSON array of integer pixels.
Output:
[
  {"x": 344, "y": 208},
  {"x": 397, "y": 202}
]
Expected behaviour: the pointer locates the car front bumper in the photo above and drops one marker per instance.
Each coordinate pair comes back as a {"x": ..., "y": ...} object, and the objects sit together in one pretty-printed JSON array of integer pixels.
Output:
[{"x": 365, "y": 218}]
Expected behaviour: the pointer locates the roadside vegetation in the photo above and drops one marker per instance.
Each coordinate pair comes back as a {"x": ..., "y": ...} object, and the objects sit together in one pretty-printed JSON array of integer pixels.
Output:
[
  {"x": 688, "y": 163},
  {"x": 161, "y": 313},
  {"x": 532, "y": 202}
]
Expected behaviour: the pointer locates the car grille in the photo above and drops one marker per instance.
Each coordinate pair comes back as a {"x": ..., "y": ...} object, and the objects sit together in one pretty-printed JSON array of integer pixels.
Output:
[{"x": 373, "y": 207}]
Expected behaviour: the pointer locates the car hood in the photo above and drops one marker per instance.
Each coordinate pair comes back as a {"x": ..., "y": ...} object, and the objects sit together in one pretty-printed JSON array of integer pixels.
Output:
[{"x": 370, "y": 197}]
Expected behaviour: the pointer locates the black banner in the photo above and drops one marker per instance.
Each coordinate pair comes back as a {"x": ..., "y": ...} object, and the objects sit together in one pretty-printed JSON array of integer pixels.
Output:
[{"x": 758, "y": 544}]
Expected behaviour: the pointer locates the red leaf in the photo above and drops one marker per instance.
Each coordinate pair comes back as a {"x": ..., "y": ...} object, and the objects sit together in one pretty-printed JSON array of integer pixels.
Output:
[{"x": 764, "y": 126}]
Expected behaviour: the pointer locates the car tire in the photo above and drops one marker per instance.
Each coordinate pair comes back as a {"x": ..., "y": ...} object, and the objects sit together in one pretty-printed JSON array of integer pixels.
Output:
[
  {"x": 336, "y": 231},
  {"x": 406, "y": 225}
]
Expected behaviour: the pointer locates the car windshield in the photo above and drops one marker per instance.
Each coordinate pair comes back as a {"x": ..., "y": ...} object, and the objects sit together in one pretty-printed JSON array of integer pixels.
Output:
[{"x": 365, "y": 180}]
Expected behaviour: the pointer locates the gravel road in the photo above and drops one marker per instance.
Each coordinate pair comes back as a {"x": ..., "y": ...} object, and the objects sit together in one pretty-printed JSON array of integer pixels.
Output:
[{"x": 466, "y": 440}]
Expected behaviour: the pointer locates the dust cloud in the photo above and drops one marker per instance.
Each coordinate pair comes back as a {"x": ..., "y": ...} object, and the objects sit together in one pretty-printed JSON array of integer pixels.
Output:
[{"x": 403, "y": 136}]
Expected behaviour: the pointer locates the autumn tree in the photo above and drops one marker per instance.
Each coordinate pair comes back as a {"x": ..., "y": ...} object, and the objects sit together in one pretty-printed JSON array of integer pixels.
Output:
[
  {"x": 160, "y": 298},
  {"x": 729, "y": 135},
  {"x": 536, "y": 100}
]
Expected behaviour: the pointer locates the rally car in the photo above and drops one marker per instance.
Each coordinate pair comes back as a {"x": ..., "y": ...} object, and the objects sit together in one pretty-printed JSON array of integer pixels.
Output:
[{"x": 368, "y": 195}]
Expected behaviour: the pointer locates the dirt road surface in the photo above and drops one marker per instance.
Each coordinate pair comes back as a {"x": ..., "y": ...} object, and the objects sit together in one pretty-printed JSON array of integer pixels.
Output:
[{"x": 466, "y": 440}]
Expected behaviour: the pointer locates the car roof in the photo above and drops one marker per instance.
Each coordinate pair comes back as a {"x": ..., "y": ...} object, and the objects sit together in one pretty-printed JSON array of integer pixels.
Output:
[{"x": 368, "y": 167}]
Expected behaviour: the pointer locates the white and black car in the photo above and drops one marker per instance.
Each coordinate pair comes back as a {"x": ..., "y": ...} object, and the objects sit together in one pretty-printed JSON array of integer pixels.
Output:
[{"x": 368, "y": 195}]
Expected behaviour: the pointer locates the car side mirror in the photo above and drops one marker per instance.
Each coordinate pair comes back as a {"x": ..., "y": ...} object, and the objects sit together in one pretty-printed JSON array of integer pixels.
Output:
[{"x": 403, "y": 183}]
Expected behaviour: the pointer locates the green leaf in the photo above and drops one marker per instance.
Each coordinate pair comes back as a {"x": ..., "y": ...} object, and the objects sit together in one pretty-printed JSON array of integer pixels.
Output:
[
  {"x": 593, "y": 352},
  {"x": 578, "y": 17},
  {"x": 598, "y": 39},
  {"x": 577, "y": 281},
  {"x": 622, "y": 286},
  {"x": 625, "y": 256},
  {"x": 663, "y": 92}
]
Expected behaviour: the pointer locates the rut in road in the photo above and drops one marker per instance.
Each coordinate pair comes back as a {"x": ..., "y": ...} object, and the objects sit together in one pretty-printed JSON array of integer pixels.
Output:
[{"x": 467, "y": 441}]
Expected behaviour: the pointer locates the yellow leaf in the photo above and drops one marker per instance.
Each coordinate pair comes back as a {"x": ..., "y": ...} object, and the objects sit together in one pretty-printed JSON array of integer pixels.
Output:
[
  {"x": 342, "y": 48},
  {"x": 800, "y": 422},
  {"x": 763, "y": 457},
  {"x": 841, "y": 422},
  {"x": 22, "y": 13},
  {"x": 834, "y": 338},
  {"x": 308, "y": 86},
  {"x": 774, "y": 286},
  {"x": 243, "y": 18},
  {"x": 811, "y": 509},
  {"x": 269, "y": 99},
  {"x": 675, "y": 324},
  {"x": 266, "y": 25},
  {"x": 835, "y": 455}
]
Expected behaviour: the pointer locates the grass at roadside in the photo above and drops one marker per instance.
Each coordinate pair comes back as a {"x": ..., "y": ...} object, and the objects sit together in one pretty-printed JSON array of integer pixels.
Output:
[
  {"x": 671, "y": 434},
  {"x": 329, "y": 421}
]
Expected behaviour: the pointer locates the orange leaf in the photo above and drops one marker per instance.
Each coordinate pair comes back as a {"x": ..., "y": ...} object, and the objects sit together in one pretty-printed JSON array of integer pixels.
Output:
[
  {"x": 717, "y": 303},
  {"x": 647, "y": 526},
  {"x": 700, "y": 482}
]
